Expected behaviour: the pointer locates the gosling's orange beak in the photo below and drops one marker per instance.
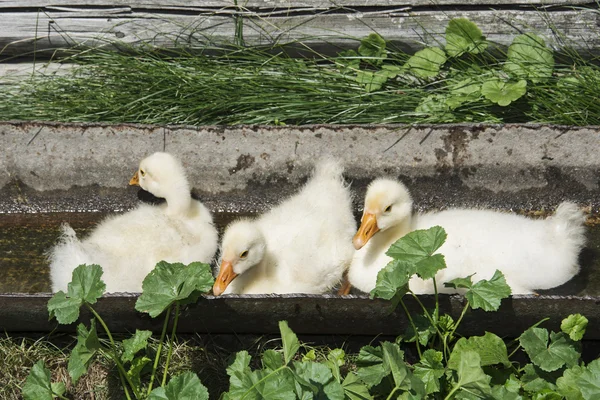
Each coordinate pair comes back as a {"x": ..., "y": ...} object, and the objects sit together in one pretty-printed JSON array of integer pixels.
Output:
[
  {"x": 226, "y": 275},
  {"x": 135, "y": 180},
  {"x": 368, "y": 228}
]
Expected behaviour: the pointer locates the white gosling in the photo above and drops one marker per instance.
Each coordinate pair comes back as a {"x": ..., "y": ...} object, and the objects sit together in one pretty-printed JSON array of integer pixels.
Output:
[
  {"x": 128, "y": 246},
  {"x": 532, "y": 254},
  {"x": 303, "y": 245}
]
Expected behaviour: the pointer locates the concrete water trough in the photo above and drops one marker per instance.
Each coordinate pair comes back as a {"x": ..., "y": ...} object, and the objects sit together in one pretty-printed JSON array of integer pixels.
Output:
[{"x": 52, "y": 173}]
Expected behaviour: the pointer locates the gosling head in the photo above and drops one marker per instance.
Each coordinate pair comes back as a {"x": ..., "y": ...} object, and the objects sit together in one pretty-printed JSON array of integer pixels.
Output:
[
  {"x": 387, "y": 204},
  {"x": 242, "y": 248},
  {"x": 159, "y": 173}
]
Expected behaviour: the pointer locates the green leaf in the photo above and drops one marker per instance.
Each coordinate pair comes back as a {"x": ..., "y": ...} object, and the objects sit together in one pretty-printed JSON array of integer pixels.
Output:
[
  {"x": 549, "y": 357},
  {"x": 568, "y": 384},
  {"x": 488, "y": 294},
  {"x": 503, "y": 93},
  {"x": 186, "y": 386},
  {"x": 37, "y": 385},
  {"x": 371, "y": 80},
  {"x": 370, "y": 365},
  {"x": 169, "y": 283},
  {"x": 463, "y": 36},
  {"x": 426, "y": 63},
  {"x": 393, "y": 361},
  {"x": 355, "y": 389},
  {"x": 436, "y": 106},
  {"x": 470, "y": 375},
  {"x": 463, "y": 91},
  {"x": 430, "y": 369},
  {"x": 271, "y": 360},
  {"x": 319, "y": 379},
  {"x": 501, "y": 393},
  {"x": 290, "y": 342},
  {"x": 348, "y": 61},
  {"x": 63, "y": 308},
  {"x": 418, "y": 247},
  {"x": 240, "y": 375},
  {"x": 589, "y": 381},
  {"x": 135, "y": 370},
  {"x": 490, "y": 348},
  {"x": 425, "y": 330},
  {"x": 529, "y": 58},
  {"x": 86, "y": 283},
  {"x": 373, "y": 47},
  {"x": 457, "y": 283},
  {"x": 574, "y": 326},
  {"x": 83, "y": 353},
  {"x": 392, "y": 281},
  {"x": 138, "y": 342},
  {"x": 335, "y": 359},
  {"x": 535, "y": 380}
]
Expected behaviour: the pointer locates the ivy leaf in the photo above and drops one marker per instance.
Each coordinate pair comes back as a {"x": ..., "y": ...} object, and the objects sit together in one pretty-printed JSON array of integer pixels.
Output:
[
  {"x": 426, "y": 63},
  {"x": 63, "y": 308},
  {"x": 168, "y": 283},
  {"x": 83, "y": 353},
  {"x": 574, "y": 326},
  {"x": 503, "y": 93},
  {"x": 138, "y": 342},
  {"x": 430, "y": 369},
  {"x": 370, "y": 365},
  {"x": 37, "y": 385},
  {"x": 589, "y": 381},
  {"x": 490, "y": 348},
  {"x": 373, "y": 48},
  {"x": 549, "y": 357},
  {"x": 463, "y": 36},
  {"x": 186, "y": 386},
  {"x": 470, "y": 375},
  {"x": 290, "y": 342},
  {"x": 568, "y": 384},
  {"x": 488, "y": 294},
  {"x": 392, "y": 281},
  {"x": 355, "y": 389},
  {"x": 529, "y": 58},
  {"x": 418, "y": 247},
  {"x": 86, "y": 283}
]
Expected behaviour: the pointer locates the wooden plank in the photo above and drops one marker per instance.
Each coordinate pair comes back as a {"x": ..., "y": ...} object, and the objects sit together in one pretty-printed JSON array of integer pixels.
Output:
[
  {"x": 23, "y": 32},
  {"x": 163, "y": 4}
]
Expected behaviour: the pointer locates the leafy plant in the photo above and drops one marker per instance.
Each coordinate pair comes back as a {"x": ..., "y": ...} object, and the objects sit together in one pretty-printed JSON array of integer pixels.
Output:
[{"x": 168, "y": 286}]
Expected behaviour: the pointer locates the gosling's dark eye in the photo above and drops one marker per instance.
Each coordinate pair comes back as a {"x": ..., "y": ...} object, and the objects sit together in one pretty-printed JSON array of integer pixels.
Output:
[
  {"x": 244, "y": 254},
  {"x": 142, "y": 172},
  {"x": 388, "y": 209}
]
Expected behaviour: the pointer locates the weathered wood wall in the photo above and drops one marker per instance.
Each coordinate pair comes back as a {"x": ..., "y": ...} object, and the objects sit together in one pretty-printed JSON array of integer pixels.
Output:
[{"x": 45, "y": 26}]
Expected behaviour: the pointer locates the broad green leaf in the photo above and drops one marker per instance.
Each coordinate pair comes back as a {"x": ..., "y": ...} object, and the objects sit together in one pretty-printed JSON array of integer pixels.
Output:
[
  {"x": 355, "y": 389},
  {"x": 335, "y": 359},
  {"x": 426, "y": 63},
  {"x": 529, "y": 58},
  {"x": 63, "y": 308},
  {"x": 549, "y": 357},
  {"x": 83, "y": 353},
  {"x": 373, "y": 49},
  {"x": 348, "y": 61},
  {"x": 370, "y": 365},
  {"x": 535, "y": 380},
  {"x": 240, "y": 376},
  {"x": 589, "y": 381},
  {"x": 393, "y": 361},
  {"x": 290, "y": 342},
  {"x": 503, "y": 93},
  {"x": 501, "y": 393},
  {"x": 425, "y": 330},
  {"x": 568, "y": 384},
  {"x": 168, "y": 283},
  {"x": 392, "y": 281},
  {"x": 463, "y": 91},
  {"x": 138, "y": 342},
  {"x": 464, "y": 283},
  {"x": 86, "y": 283},
  {"x": 488, "y": 294},
  {"x": 547, "y": 395},
  {"x": 135, "y": 370},
  {"x": 279, "y": 386},
  {"x": 430, "y": 369},
  {"x": 490, "y": 348},
  {"x": 371, "y": 80},
  {"x": 418, "y": 247},
  {"x": 37, "y": 385},
  {"x": 470, "y": 375},
  {"x": 574, "y": 326},
  {"x": 436, "y": 106},
  {"x": 58, "y": 388},
  {"x": 186, "y": 386},
  {"x": 463, "y": 36},
  {"x": 271, "y": 360},
  {"x": 310, "y": 356},
  {"x": 319, "y": 379}
]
